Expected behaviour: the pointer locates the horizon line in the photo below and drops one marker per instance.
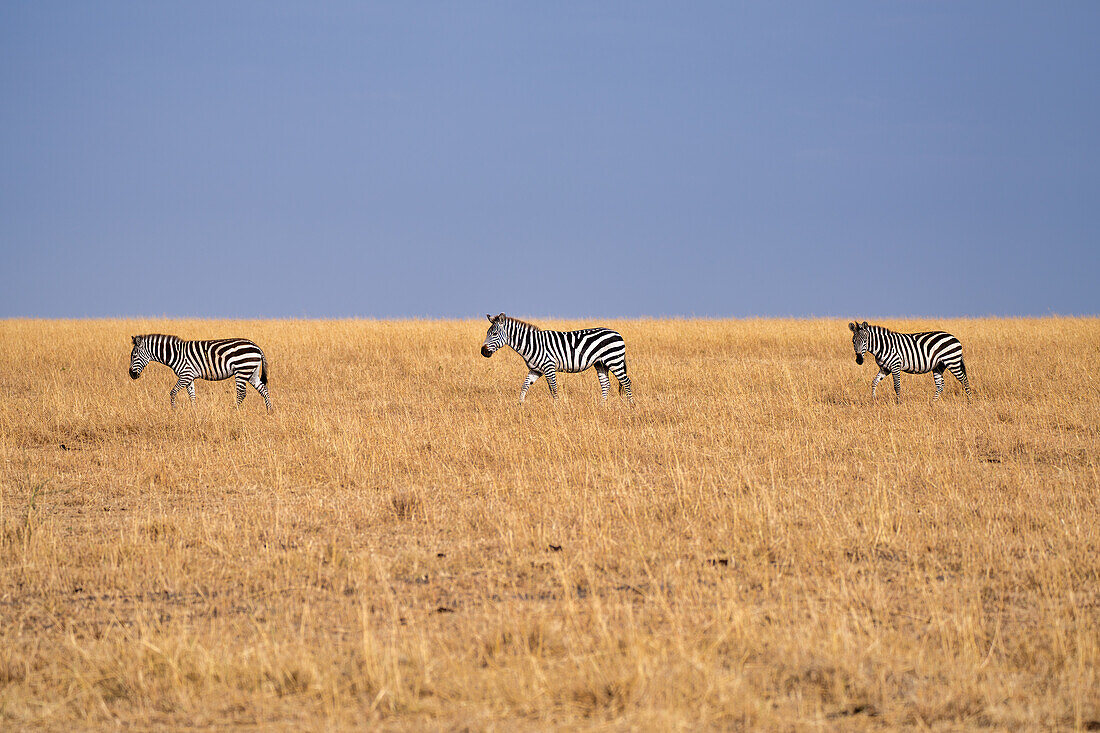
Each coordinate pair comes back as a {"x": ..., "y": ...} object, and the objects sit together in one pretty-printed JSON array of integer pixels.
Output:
[{"x": 527, "y": 316}]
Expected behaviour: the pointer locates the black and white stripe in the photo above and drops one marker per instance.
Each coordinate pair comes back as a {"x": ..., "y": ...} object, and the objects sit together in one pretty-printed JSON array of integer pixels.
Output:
[
  {"x": 550, "y": 352},
  {"x": 914, "y": 353},
  {"x": 211, "y": 360}
]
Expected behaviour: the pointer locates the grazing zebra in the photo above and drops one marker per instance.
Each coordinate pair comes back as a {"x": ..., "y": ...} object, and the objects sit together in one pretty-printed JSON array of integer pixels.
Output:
[
  {"x": 915, "y": 353},
  {"x": 212, "y": 360},
  {"x": 550, "y": 352}
]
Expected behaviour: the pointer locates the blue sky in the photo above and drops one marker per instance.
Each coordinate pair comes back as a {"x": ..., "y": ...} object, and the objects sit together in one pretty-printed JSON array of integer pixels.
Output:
[{"x": 550, "y": 159}]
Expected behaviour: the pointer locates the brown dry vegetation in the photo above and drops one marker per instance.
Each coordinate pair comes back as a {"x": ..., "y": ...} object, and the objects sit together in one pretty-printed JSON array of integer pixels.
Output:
[{"x": 402, "y": 545}]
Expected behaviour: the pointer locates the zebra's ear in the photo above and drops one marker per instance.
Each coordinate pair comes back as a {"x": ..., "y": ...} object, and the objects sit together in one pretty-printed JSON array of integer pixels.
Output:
[
  {"x": 134, "y": 339},
  {"x": 851, "y": 326},
  {"x": 489, "y": 317},
  {"x": 865, "y": 324}
]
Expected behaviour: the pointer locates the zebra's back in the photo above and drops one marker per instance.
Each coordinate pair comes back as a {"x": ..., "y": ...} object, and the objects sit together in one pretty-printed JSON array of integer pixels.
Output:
[
  {"x": 924, "y": 351},
  {"x": 222, "y": 358},
  {"x": 575, "y": 351}
]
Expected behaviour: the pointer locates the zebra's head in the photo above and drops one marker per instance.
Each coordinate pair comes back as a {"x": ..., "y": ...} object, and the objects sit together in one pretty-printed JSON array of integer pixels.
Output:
[
  {"x": 860, "y": 333},
  {"x": 139, "y": 357},
  {"x": 495, "y": 338}
]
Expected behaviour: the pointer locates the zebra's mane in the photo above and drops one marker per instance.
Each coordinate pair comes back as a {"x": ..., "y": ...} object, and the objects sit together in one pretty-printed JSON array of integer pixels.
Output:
[
  {"x": 165, "y": 337},
  {"x": 522, "y": 323}
]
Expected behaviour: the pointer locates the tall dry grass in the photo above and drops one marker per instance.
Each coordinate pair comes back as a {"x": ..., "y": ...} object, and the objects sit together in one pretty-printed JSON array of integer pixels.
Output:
[{"x": 401, "y": 544}]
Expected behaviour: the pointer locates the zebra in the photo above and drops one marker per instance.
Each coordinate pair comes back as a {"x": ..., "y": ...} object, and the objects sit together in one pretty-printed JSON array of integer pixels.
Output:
[
  {"x": 914, "y": 353},
  {"x": 211, "y": 360},
  {"x": 549, "y": 352}
]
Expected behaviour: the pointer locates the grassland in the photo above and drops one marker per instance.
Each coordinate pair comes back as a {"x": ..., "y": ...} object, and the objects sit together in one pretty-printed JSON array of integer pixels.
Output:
[{"x": 401, "y": 545}]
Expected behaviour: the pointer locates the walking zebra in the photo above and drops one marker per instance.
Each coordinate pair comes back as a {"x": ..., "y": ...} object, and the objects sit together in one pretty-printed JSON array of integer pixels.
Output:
[
  {"x": 211, "y": 360},
  {"x": 550, "y": 352},
  {"x": 914, "y": 353}
]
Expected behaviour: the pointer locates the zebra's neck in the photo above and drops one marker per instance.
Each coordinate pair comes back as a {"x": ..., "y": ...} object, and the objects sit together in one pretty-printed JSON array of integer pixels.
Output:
[
  {"x": 878, "y": 341},
  {"x": 522, "y": 337},
  {"x": 165, "y": 350}
]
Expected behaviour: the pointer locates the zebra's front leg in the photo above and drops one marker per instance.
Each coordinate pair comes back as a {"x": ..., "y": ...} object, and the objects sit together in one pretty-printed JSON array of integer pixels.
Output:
[
  {"x": 896, "y": 372},
  {"x": 532, "y": 377},
  {"x": 605, "y": 383},
  {"x": 552, "y": 382},
  {"x": 878, "y": 378},
  {"x": 183, "y": 382}
]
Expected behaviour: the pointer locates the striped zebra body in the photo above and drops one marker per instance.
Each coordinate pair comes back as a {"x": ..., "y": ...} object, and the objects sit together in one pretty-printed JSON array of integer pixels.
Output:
[
  {"x": 549, "y": 352},
  {"x": 913, "y": 353},
  {"x": 211, "y": 360}
]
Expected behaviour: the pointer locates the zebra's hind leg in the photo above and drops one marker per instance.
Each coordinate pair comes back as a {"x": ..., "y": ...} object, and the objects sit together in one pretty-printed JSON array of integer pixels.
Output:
[
  {"x": 960, "y": 374},
  {"x": 532, "y": 377},
  {"x": 262, "y": 389},
  {"x": 605, "y": 382},
  {"x": 937, "y": 374},
  {"x": 257, "y": 381},
  {"x": 619, "y": 370},
  {"x": 242, "y": 385}
]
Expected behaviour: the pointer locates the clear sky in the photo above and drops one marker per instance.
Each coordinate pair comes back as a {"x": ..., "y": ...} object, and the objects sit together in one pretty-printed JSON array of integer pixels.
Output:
[{"x": 549, "y": 159}]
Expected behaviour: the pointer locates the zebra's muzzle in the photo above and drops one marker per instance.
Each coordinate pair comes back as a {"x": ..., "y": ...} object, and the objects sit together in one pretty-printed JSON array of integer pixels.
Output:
[
  {"x": 134, "y": 374},
  {"x": 485, "y": 352},
  {"x": 859, "y": 358}
]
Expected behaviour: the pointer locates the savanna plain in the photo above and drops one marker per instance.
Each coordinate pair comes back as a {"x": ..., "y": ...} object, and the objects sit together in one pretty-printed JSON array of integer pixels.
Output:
[{"x": 756, "y": 544}]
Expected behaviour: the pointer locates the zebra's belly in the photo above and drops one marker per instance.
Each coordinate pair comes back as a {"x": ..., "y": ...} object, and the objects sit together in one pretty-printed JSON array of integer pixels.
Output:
[
  {"x": 906, "y": 368},
  {"x": 573, "y": 368},
  {"x": 561, "y": 368}
]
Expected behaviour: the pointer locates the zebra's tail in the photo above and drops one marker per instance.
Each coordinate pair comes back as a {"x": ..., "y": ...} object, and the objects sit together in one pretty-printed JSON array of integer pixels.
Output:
[{"x": 263, "y": 370}]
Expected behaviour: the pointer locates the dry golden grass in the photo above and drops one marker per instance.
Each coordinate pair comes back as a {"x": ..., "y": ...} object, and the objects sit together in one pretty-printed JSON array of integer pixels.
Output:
[{"x": 402, "y": 545}]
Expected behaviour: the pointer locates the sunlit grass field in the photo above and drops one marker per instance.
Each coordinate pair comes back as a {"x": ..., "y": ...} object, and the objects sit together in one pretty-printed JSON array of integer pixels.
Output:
[{"x": 756, "y": 544}]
